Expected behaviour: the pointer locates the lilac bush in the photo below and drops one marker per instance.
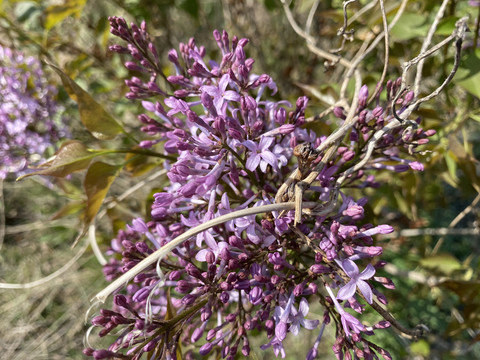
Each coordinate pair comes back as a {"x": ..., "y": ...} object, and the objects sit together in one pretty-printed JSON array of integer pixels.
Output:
[
  {"x": 235, "y": 147},
  {"x": 30, "y": 119}
]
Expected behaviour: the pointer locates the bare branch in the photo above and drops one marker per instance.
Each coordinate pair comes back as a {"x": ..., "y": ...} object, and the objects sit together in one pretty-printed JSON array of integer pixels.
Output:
[
  {"x": 458, "y": 35},
  {"x": 165, "y": 250},
  {"x": 454, "y": 223},
  {"x": 426, "y": 44}
]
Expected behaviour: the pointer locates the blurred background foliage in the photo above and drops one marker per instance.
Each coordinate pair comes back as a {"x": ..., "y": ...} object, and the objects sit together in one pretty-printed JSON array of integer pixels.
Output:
[{"x": 436, "y": 275}]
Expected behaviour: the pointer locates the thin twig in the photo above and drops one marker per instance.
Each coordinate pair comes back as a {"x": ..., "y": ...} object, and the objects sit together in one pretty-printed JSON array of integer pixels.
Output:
[
  {"x": 311, "y": 41},
  {"x": 361, "y": 56},
  {"x": 363, "y": 10},
  {"x": 343, "y": 29},
  {"x": 311, "y": 14},
  {"x": 426, "y": 44},
  {"x": 39, "y": 225},
  {"x": 454, "y": 223},
  {"x": 432, "y": 232},
  {"x": 459, "y": 35},
  {"x": 346, "y": 35},
  {"x": 386, "y": 32},
  {"x": 416, "y": 333}
]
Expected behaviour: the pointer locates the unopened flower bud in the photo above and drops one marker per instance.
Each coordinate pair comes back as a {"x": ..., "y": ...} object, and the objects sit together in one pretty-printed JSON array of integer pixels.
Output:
[
  {"x": 319, "y": 269},
  {"x": 205, "y": 349}
]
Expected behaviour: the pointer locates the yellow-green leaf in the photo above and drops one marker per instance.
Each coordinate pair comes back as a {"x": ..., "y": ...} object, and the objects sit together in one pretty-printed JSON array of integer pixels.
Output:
[
  {"x": 421, "y": 347},
  {"x": 445, "y": 263},
  {"x": 93, "y": 116},
  {"x": 72, "y": 156},
  {"x": 98, "y": 180},
  {"x": 69, "y": 209},
  {"x": 55, "y": 14},
  {"x": 451, "y": 165}
]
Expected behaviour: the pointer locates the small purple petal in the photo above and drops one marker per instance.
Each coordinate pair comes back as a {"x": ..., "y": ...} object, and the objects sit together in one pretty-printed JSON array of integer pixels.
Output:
[{"x": 347, "y": 291}]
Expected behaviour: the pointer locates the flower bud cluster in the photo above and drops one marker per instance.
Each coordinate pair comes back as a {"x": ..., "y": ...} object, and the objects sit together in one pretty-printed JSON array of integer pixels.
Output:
[
  {"x": 29, "y": 115},
  {"x": 234, "y": 149}
]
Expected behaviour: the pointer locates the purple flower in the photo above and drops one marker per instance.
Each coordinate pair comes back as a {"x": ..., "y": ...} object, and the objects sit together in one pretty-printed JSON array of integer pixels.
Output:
[
  {"x": 350, "y": 323},
  {"x": 416, "y": 165},
  {"x": 176, "y": 106},
  {"x": 218, "y": 131},
  {"x": 30, "y": 120},
  {"x": 215, "y": 247},
  {"x": 277, "y": 347},
  {"x": 357, "y": 279},
  {"x": 260, "y": 154},
  {"x": 220, "y": 94},
  {"x": 281, "y": 318},
  {"x": 299, "y": 318},
  {"x": 313, "y": 352}
]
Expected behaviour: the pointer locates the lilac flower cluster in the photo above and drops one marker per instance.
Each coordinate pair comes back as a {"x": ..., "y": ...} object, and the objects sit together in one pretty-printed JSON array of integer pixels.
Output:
[
  {"x": 29, "y": 116},
  {"x": 261, "y": 273}
]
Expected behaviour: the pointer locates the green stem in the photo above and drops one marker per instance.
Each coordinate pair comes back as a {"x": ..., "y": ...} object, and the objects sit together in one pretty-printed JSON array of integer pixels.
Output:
[{"x": 136, "y": 151}]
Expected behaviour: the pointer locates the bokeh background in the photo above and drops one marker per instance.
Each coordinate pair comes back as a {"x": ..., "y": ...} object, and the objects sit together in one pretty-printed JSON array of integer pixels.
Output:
[{"x": 433, "y": 256}]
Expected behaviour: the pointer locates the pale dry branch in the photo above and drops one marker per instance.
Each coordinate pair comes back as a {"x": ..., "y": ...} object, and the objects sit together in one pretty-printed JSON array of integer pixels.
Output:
[
  {"x": 458, "y": 35},
  {"x": 311, "y": 14},
  {"x": 426, "y": 44},
  {"x": 166, "y": 249},
  {"x": 431, "y": 232}
]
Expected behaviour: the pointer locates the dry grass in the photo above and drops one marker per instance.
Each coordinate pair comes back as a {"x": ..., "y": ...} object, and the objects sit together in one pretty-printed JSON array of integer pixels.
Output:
[{"x": 46, "y": 321}]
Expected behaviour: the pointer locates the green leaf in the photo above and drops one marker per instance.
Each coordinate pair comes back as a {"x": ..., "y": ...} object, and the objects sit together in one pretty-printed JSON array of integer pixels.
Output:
[
  {"x": 421, "y": 347},
  {"x": 445, "y": 263},
  {"x": 474, "y": 117},
  {"x": 270, "y": 5},
  {"x": 446, "y": 26},
  {"x": 72, "y": 156},
  {"x": 93, "y": 116},
  {"x": 26, "y": 11},
  {"x": 190, "y": 7},
  {"x": 452, "y": 166},
  {"x": 410, "y": 25},
  {"x": 467, "y": 291},
  {"x": 468, "y": 75},
  {"x": 55, "y": 14}
]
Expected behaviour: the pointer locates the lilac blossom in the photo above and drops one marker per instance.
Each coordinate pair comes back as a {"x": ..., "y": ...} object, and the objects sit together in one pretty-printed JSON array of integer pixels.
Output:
[
  {"x": 260, "y": 154},
  {"x": 356, "y": 280},
  {"x": 298, "y": 318},
  {"x": 349, "y": 322},
  {"x": 30, "y": 119},
  {"x": 220, "y": 95},
  {"x": 255, "y": 273}
]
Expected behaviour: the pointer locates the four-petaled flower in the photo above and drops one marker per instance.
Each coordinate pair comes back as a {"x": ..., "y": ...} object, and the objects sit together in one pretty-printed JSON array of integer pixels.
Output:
[
  {"x": 357, "y": 279},
  {"x": 299, "y": 318},
  {"x": 220, "y": 94},
  {"x": 260, "y": 154}
]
